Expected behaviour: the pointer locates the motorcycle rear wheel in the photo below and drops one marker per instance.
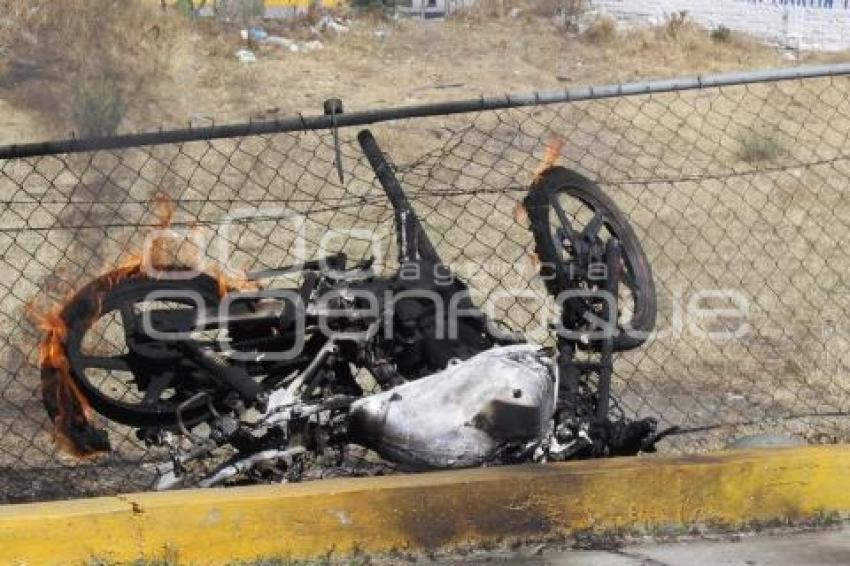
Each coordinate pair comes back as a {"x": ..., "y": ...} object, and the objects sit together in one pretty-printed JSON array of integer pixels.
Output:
[{"x": 138, "y": 387}]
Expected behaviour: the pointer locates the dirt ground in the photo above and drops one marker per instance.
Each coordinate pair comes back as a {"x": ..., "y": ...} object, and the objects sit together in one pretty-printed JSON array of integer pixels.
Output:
[{"x": 172, "y": 71}]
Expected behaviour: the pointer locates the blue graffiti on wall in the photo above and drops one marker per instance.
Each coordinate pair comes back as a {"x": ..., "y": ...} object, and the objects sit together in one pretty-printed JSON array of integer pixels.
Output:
[{"x": 807, "y": 3}]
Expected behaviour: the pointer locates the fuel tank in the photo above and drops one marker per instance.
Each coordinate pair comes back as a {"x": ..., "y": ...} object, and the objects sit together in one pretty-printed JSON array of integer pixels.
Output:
[{"x": 461, "y": 416}]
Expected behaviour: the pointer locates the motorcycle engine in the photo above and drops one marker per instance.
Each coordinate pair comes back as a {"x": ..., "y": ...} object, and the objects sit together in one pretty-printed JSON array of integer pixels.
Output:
[{"x": 462, "y": 415}]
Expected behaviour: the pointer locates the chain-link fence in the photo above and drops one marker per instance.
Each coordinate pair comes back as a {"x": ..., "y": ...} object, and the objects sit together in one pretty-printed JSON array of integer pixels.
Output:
[{"x": 738, "y": 191}]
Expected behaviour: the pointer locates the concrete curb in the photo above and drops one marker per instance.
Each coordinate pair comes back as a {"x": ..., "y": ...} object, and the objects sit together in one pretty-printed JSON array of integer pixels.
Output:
[{"x": 431, "y": 511}]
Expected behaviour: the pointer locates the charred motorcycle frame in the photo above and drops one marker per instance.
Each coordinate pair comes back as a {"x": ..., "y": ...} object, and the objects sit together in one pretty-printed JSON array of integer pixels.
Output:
[{"x": 273, "y": 373}]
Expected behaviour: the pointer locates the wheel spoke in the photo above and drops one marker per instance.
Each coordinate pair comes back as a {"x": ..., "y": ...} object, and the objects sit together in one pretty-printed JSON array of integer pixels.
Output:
[
  {"x": 563, "y": 236},
  {"x": 116, "y": 363},
  {"x": 128, "y": 371},
  {"x": 564, "y": 219},
  {"x": 156, "y": 386},
  {"x": 629, "y": 277},
  {"x": 591, "y": 231},
  {"x": 128, "y": 319}
]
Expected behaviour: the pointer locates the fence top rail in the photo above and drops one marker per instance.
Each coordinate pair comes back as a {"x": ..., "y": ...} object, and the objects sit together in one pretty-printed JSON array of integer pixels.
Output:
[{"x": 366, "y": 117}]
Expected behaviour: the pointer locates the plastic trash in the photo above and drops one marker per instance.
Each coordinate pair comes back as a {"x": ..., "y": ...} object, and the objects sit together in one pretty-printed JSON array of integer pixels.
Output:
[
  {"x": 283, "y": 43},
  {"x": 246, "y": 56},
  {"x": 328, "y": 23},
  {"x": 257, "y": 34}
]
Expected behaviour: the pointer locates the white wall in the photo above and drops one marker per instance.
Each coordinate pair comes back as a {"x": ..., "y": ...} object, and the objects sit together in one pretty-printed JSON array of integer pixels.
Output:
[
  {"x": 788, "y": 24},
  {"x": 440, "y": 8}
]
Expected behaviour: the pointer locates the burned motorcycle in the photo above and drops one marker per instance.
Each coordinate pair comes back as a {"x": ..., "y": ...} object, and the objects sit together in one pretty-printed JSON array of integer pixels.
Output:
[{"x": 275, "y": 375}]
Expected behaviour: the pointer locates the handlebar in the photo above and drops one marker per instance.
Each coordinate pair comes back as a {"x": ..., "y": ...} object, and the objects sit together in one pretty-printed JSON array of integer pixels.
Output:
[{"x": 413, "y": 242}]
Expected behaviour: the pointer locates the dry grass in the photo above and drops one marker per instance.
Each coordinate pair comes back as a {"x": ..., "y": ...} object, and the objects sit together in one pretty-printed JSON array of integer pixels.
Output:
[
  {"x": 759, "y": 146},
  {"x": 82, "y": 62},
  {"x": 721, "y": 34},
  {"x": 161, "y": 69},
  {"x": 602, "y": 30},
  {"x": 496, "y": 9},
  {"x": 675, "y": 47}
]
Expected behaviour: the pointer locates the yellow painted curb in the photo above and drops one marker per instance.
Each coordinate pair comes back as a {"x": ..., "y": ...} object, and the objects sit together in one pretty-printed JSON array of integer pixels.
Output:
[{"x": 429, "y": 511}]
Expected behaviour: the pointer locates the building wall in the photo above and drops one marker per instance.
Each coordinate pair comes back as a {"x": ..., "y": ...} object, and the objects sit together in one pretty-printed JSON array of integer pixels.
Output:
[
  {"x": 800, "y": 24},
  {"x": 422, "y": 8},
  {"x": 431, "y": 9}
]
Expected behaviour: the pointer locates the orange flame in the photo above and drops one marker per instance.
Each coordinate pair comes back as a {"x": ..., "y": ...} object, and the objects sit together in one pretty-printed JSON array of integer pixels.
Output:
[
  {"x": 551, "y": 157},
  {"x": 71, "y": 413},
  {"x": 163, "y": 208},
  {"x": 229, "y": 283},
  {"x": 68, "y": 407},
  {"x": 521, "y": 214}
]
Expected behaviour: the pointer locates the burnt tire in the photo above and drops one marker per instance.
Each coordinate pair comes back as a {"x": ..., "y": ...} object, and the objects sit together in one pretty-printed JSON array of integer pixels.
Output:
[
  {"x": 543, "y": 195},
  {"x": 101, "y": 296}
]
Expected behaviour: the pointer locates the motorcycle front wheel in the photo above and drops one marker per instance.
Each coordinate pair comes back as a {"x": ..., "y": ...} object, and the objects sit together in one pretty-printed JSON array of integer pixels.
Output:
[{"x": 561, "y": 199}]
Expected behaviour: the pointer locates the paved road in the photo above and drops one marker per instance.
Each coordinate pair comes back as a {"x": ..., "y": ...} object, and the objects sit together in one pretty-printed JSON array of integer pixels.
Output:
[{"x": 831, "y": 547}]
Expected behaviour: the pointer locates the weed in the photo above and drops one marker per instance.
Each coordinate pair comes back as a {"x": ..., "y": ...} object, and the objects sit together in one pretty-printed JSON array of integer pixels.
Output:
[
  {"x": 374, "y": 10},
  {"x": 190, "y": 8},
  {"x": 97, "y": 103},
  {"x": 566, "y": 9},
  {"x": 759, "y": 146},
  {"x": 565, "y": 12},
  {"x": 569, "y": 13},
  {"x": 721, "y": 34},
  {"x": 675, "y": 23},
  {"x": 601, "y": 30}
]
